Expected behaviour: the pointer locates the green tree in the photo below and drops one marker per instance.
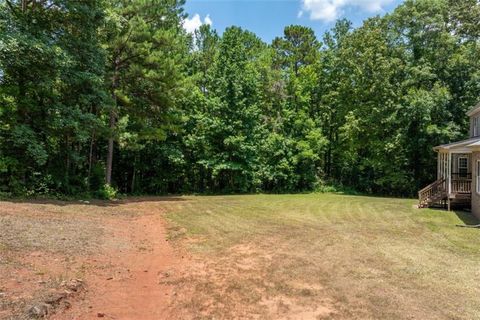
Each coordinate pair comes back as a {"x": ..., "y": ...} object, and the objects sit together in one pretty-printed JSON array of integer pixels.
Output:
[
  {"x": 145, "y": 47},
  {"x": 51, "y": 85}
]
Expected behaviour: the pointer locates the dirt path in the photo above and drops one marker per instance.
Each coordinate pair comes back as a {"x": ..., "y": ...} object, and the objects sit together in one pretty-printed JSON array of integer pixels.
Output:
[{"x": 124, "y": 282}]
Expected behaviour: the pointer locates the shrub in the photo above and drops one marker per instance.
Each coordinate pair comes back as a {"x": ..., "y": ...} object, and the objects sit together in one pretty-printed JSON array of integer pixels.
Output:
[{"x": 107, "y": 192}]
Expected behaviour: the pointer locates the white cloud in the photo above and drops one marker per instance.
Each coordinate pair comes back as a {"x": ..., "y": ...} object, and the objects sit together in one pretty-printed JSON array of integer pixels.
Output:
[
  {"x": 329, "y": 10},
  {"x": 207, "y": 20},
  {"x": 193, "y": 23}
]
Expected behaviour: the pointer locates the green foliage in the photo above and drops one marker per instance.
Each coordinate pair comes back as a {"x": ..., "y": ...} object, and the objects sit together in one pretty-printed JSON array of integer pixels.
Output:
[
  {"x": 116, "y": 91},
  {"x": 51, "y": 91},
  {"x": 107, "y": 192}
]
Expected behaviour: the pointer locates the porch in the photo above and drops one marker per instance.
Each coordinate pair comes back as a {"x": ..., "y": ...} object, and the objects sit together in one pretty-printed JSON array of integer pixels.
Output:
[{"x": 454, "y": 180}]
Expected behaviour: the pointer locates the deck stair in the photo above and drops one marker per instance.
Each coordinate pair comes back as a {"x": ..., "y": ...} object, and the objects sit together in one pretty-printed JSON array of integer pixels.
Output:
[{"x": 433, "y": 194}]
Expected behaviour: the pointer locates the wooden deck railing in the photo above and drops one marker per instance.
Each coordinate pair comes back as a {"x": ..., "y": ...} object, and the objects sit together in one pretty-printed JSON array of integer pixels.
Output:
[{"x": 461, "y": 186}]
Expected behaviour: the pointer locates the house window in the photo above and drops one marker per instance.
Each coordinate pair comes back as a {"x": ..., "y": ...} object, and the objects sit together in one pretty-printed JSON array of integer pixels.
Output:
[
  {"x": 462, "y": 167},
  {"x": 478, "y": 176},
  {"x": 476, "y": 126}
]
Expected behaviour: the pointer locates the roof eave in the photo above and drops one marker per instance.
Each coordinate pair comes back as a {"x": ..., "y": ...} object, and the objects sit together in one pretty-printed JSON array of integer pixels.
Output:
[
  {"x": 463, "y": 145},
  {"x": 474, "y": 110}
]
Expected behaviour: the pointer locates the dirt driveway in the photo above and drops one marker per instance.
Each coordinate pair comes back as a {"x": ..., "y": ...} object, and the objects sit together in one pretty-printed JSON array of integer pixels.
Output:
[{"x": 85, "y": 260}]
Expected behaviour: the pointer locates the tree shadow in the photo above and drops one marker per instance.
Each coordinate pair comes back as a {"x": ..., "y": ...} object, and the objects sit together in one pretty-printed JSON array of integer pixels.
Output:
[{"x": 98, "y": 202}]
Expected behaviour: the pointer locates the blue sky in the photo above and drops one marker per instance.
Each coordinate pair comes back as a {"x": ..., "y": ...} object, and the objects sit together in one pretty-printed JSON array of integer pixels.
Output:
[{"x": 267, "y": 18}]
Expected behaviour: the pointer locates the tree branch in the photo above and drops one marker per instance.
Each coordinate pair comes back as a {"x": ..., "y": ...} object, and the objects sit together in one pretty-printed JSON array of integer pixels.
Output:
[{"x": 10, "y": 5}]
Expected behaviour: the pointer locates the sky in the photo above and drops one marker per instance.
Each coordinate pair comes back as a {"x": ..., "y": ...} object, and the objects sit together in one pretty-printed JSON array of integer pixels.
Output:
[{"x": 267, "y": 18}]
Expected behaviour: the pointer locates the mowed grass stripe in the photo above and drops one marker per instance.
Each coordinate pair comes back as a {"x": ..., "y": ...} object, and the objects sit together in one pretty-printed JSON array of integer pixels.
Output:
[{"x": 363, "y": 257}]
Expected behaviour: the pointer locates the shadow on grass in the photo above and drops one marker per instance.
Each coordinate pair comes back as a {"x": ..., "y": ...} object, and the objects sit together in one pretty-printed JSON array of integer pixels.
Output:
[
  {"x": 162, "y": 198},
  {"x": 97, "y": 202},
  {"x": 467, "y": 217}
]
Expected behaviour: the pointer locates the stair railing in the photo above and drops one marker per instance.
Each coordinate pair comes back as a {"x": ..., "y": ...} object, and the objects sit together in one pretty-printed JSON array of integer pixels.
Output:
[{"x": 430, "y": 191}]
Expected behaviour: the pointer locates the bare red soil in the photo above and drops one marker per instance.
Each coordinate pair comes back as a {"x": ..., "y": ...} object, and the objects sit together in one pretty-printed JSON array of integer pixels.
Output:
[
  {"x": 126, "y": 283},
  {"x": 122, "y": 276}
]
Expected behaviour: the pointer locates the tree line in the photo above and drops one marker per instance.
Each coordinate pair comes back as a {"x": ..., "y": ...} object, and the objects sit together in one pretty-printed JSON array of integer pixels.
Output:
[{"x": 97, "y": 95}]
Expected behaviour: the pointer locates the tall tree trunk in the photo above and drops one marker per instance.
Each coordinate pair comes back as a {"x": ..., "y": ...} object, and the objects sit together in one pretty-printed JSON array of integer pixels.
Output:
[
  {"x": 90, "y": 154},
  {"x": 132, "y": 186},
  {"x": 329, "y": 152},
  {"x": 108, "y": 175},
  {"x": 112, "y": 122},
  {"x": 67, "y": 161}
]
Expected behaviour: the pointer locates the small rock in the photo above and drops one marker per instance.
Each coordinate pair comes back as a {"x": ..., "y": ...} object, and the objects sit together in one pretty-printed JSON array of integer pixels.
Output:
[
  {"x": 38, "y": 310},
  {"x": 100, "y": 315},
  {"x": 74, "y": 285},
  {"x": 109, "y": 278},
  {"x": 55, "y": 298}
]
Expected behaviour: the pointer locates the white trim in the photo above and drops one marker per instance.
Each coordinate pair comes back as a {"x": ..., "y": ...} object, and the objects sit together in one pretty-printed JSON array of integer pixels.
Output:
[
  {"x": 463, "y": 146},
  {"x": 477, "y": 180},
  {"x": 449, "y": 172},
  {"x": 474, "y": 110},
  {"x": 460, "y": 151}
]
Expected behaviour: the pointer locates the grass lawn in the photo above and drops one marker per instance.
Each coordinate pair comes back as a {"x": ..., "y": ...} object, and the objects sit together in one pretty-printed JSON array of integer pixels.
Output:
[
  {"x": 318, "y": 256},
  {"x": 311, "y": 256}
]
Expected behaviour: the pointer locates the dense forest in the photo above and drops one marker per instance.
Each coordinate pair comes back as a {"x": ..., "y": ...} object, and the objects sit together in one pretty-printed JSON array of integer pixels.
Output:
[{"x": 105, "y": 95}]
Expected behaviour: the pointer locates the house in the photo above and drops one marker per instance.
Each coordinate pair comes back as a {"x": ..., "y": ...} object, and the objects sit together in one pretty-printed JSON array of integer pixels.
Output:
[{"x": 458, "y": 171}]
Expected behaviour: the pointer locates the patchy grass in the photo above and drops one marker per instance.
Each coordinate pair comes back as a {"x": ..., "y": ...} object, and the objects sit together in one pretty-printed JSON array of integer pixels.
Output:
[
  {"x": 44, "y": 245},
  {"x": 324, "y": 256},
  {"x": 310, "y": 256},
  {"x": 48, "y": 233}
]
